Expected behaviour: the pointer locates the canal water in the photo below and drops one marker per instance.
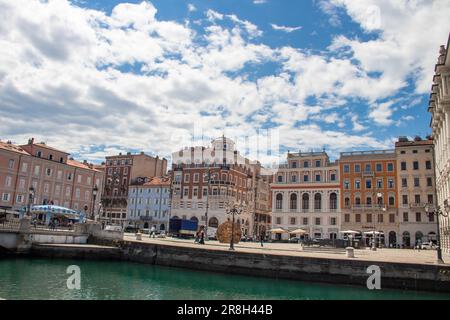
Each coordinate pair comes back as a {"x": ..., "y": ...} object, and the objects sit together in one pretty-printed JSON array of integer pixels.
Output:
[{"x": 47, "y": 279}]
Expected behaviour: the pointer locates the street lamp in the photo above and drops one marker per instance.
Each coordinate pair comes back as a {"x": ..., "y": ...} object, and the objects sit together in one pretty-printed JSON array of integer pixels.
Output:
[
  {"x": 31, "y": 193},
  {"x": 94, "y": 195},
  {"x": 379, "y": 204},
  {"x": 437, "y": 211},
  {"x": 233, "y": 210}
]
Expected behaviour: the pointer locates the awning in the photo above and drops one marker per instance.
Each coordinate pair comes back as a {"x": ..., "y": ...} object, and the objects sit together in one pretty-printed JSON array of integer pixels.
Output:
[
  {"x": 350, "y": 232},
  {"x": 278, "y": 230},
  {"x": 298, "y": 231}
]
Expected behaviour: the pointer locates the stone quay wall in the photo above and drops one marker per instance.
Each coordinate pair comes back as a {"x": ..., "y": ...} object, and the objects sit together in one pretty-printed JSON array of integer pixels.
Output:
[{"x": 339, "y": 270}]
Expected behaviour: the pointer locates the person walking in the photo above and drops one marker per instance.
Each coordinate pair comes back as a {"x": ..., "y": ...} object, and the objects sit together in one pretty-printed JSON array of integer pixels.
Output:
[
  {"x": 197, "y": 237},
  {"x": 152, "y": 232},
  {"x": 262, "y": 239},
  {"x": 202, "y": 237}
]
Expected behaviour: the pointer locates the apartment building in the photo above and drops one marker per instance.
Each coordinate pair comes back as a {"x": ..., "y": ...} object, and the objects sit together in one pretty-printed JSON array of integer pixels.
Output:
[
  {"x": 120, "y": 171},
  {"x": 439, "y": 106},
  {"x": 51, "y": 174},
  {"x": 206, "y": 179},
  {"x": 369, "y": 195},
  {"x": 149, "y": 203},
  {"x": 416, "y": 188},
  {"x": 305, "y": 194}
]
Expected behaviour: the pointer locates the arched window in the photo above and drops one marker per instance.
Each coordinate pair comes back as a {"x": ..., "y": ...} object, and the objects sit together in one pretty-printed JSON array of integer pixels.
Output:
[
  {"x": 293, "y": 202},
  {"x": 392, "y": 201},
  {"x": 357, "y": 201},
  {"x": 305, "y": 201},
  {"x": 317, "y": 201},
  {"x": 406, "y": 239},
  {"x": 213, "y": 223},
  {"x": 369, "y": 200},
  {"x": 419, "y": 236},
  {"x": 279, "y": 201},
  {"x": 194, "y": 219},
  {"x": 294, "y": 178},
  {"x": 333, "y": 201},
  {"x": 347, "y": 202}
]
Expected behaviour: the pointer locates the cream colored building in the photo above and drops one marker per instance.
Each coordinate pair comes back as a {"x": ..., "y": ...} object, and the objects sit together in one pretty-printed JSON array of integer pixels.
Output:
[
  {"x": 439, "y": 107},
  {"x": 306, "y": 195},
  {"x": 416, "y": 188}
]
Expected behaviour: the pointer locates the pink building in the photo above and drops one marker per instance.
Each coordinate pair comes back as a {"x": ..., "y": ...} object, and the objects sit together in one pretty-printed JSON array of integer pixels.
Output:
[{"x": 55, "y": 178}]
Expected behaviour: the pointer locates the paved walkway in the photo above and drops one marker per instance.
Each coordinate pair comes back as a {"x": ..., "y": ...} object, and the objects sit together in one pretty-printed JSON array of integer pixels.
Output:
[{"x": 381, "y": 255}]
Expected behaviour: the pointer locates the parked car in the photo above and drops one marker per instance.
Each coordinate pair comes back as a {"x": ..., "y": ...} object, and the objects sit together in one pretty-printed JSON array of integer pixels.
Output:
[
  {"x": 113, "y": 228},
  {"x": 295, "y": 240},
  {"x": 428, "y": 246}
]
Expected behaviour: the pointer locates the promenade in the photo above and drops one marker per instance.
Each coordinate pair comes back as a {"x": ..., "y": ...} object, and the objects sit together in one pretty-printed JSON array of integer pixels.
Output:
[{"x": 427, "y": 257}]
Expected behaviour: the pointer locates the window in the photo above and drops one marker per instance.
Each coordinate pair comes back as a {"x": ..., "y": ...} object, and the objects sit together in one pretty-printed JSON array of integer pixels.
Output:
[
  {"x": 379, "y": 167},
  {"x": 427, "y": 151},
  {"x": 391, "y": 183},
  {"x": 318, "y": 201},
  {"x": 280, "y": 178},
  {"x": 24, "y": 167},
  {"x": 368, "y": 167},
  {"x": 391, "y": 201},
  {"x": 379, "y": 183},
  {"x": 19, "y": 198},
  {"x": 368, "y": 184},
  {"x": 369, "y": 200},
  {"x": 279, "y": 201},
  {"x": 347, "y": 218},
  {"x": 125, "y": 170},
  {"x": 205, "y": 192},
  {"x": 22, "y": 183},
  {"x": 317, "y": 163},
  {"x": 293, "y": 221},
  {"x": 392, "y": 218},
  {"x": 390, "y": 167},
  {"x": 333, "y": 177},
  {"x": 278, "y": 220},
  {"x": 306, "y": 164},
  {"x": 405, "y": 217},
  {"x": 195, "y": 192},
  {"x": 357, "y": 184},
  {"x": 418, "y": 217},
  {"x": 404, "y": 182},
  {"x": 305, "y": 202},
  {"x": 11, "y": 164},
  {"x": 293, "y": 202},
  {"x": 333, "y": 201},
  {"x": 403, "y": 152},
  {"x": 8, "y": 181},
  {"x": 67, "y": 191},
  {"x": 317, "y": 177},
  {"x": 358, "y": 201},
  {"x": 429, "y": 182},
  {"x": 305, "y": 221},
  {"x": 57, "y": 189},
  {"x": 403, "y": 166},
  {"x": 358, "y": 218},
  {"x": 317, "y": 221},
  {"x": 431, "y": 218},
  {"x": 5, "y": 197},
  {"x": 414, "y": 151},
  {"x": 416, "y": 165},
  {"x": 294, "y": 178},
  {"x": 39, "y": 154},
  {"x": 430, "y": 199},
  {"x": 428, "y": 165},
  {"x": 346, "y": 185},
  {"x": 333, "y": 221},
  {"x": 196, "y": 177},
  {"x": 380, "y": 218},
  {"x": 186, "y": 192},
  {"x": 69, "y": 176},
  {"x": 417, "y": 198},
  {"x": 405, "y": 199},
  {"x": 187, "y": 178},
  {"x": 347, "y": 202},
  {"x": 369, "y": 218},
  {"x": 48, "y": 172},
  {"x": 357, "y": 168},
  {"x": 346, "y": 168},
  {"x": 416, "y": 182},
  {"x": 37, "y": 170}
]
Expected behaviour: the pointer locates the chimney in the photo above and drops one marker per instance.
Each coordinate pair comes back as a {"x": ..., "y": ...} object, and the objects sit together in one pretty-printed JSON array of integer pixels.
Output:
[{"x": 31, "y": 141}]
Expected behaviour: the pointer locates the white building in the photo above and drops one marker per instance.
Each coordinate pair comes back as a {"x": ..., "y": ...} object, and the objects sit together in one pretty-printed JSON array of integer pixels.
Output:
[
  {"x": 306, "y": 195},
  {"x": 439, "y": 107}
]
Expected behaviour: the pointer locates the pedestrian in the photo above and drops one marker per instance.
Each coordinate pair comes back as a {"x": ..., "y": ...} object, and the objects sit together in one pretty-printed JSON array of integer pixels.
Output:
[
  {"x": 262, "y": 239},
  {"x": 419, "y": 244},
  {"x": 152, "y": 232},
  {"x": 202, "y": 237},
  {"x": 197, "y": 237}
]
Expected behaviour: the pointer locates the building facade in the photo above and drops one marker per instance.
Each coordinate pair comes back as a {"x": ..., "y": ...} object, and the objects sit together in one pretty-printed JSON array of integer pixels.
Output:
[
  {"x": 416, "y": 189},
  {"x": 54, "y": 177},
  {"x": 439, "y": 107},
  {"x": 369, "y": 195},
  {"x": 149, "y": 203},
  {"x": 120, "y": 171},
  {"x": 305, "y": 194},
  {"x": 206, "y": 179}
]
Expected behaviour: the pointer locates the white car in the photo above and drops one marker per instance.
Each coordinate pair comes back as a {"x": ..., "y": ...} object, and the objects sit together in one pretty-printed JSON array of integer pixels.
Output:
[
  {"x": 113, "y": 228},
  {"x": 427, "y": 246}
]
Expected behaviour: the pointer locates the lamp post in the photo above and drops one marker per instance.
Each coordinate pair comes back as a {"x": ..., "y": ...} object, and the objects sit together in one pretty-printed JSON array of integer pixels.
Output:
[
  {"x": 379, "y": 204},
  {"x": 94, "y": 195},
  {"x": 31, "y": 193},
  {"x": 438, "y": 212},
  {"x": 233, "y": 210}
]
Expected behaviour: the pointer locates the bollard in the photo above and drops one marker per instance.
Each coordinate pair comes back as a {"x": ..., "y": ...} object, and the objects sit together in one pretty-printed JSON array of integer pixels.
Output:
[
  {"x": 350, "y": 252},
  {"x": 138, "y": 236}
]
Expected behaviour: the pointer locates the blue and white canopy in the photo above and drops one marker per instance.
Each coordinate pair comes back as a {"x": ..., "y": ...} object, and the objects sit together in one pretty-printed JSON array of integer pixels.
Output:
[{"x": 58, "y": 211}]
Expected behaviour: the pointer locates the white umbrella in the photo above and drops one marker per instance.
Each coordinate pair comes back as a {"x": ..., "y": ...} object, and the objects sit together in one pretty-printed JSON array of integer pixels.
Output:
[
  {"x": 373, "y": 232},
  {"x": 278, "y": 230},
  {"x": 350, "y": 232},
  {"x": 298, "y": 231}
]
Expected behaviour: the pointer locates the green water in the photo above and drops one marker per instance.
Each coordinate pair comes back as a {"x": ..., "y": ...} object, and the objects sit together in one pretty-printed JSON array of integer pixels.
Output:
[{"x": 46, "y": 279}]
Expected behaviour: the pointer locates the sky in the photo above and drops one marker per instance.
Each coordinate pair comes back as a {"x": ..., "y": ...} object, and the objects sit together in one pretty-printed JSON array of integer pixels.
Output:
[{"x": 96, "y": 78}]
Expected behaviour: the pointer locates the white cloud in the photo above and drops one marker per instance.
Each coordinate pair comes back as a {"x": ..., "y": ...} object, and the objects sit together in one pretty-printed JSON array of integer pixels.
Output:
[
  {"x": 259, "y": 1},
  {"x": 191, "y": 7},
  {"x": 284, "y": 28}
]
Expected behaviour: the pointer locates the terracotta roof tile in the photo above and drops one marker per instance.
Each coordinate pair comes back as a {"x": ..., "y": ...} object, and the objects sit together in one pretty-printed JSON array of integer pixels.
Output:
[{"x": 12, "y": 147}]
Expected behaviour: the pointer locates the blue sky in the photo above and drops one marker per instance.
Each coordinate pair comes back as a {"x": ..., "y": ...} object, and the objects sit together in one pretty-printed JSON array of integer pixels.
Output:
[{"x": 102, "y": 77}]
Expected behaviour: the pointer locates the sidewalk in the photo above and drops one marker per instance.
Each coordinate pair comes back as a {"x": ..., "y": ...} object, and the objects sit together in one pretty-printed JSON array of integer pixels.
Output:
[{"x": 382, "y": 255}]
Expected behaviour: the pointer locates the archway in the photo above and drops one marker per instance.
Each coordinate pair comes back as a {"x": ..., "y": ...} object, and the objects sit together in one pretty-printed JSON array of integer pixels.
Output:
[
  {"x": 419, "y": 236},
  {"x": 406, "y": 239},
  {"x": 392, "y": 239},
  {"x": 146, "y": 225},
  {"x": 194, "y": 219},
  {"x": 213, "y": 223},
  {"x": 162, "y": 227}
]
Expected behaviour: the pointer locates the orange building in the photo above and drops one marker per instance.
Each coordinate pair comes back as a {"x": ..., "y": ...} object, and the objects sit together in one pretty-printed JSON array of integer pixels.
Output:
[{"x": 369, "y": 198}]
